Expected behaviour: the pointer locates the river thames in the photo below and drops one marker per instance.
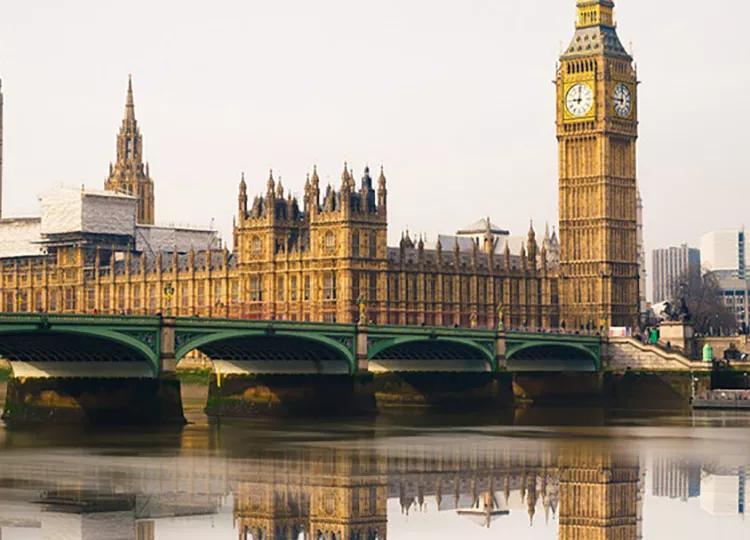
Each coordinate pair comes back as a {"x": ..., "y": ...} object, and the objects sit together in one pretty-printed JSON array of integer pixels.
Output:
[{"x": 536, "y": 474}]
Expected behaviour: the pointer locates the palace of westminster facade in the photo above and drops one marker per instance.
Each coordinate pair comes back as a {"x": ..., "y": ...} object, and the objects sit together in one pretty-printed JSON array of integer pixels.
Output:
[{"x": 326, "y": 258}]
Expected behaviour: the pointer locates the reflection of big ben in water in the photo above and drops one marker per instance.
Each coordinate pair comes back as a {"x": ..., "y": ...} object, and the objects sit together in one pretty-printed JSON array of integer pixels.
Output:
[
  {"x": 316, "y": 495},
  {"x": 599, "y": 497},
  {"x": 348, "y": 496}
]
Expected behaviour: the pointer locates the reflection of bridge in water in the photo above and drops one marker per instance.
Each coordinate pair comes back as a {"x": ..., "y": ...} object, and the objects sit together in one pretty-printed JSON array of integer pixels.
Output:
[{"x": 321, "y": 494}]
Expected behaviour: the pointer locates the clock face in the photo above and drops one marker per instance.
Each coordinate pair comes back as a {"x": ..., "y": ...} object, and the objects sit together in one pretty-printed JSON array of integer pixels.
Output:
[
  {"x": 623, "y": 100},
  {"x": 579, "y": 100}
]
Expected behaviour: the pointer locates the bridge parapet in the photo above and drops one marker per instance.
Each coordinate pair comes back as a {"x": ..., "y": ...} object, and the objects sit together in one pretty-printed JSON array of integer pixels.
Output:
[{"x": 162, "y": 342}]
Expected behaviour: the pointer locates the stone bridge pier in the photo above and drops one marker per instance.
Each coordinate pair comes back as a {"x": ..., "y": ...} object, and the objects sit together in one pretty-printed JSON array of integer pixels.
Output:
[{"x": 105, "y": 370}]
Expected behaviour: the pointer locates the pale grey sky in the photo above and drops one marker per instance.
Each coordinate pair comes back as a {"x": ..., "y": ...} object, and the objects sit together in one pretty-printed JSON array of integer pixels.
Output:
[{"x": 454, "y": 97}]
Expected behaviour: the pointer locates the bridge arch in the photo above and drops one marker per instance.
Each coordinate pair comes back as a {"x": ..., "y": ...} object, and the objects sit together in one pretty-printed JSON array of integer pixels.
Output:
[
  {"x": 551, "y": 356},
  {"x": 424, "y": 353},
  {"x": 256, "y": 350},
  {"x": 109, "y": 352}
]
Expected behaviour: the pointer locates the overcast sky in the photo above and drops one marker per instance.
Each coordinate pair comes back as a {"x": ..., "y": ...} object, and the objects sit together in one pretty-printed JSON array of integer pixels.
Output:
[{"x": 454, "y": 97}]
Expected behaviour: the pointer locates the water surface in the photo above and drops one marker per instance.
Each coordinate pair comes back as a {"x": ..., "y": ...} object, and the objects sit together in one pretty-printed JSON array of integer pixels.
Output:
[{"x": 540, "y": 474}]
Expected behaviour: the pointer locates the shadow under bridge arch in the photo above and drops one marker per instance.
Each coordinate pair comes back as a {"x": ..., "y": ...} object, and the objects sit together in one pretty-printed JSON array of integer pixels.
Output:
[
  {"x": 552, "y": 357},
  {"x": 77, "y": 353},
  {"x": 277, "y": 353},
  {"x": 422, "y": 354}
]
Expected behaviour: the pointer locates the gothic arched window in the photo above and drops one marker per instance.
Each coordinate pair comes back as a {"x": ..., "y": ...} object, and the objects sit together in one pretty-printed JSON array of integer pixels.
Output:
[
  {"x": 373, "y": 245},
  {"x": 355, "y": 244},
  {"x": 256, "y": 246},
  {"x": 329, "y": 243}
]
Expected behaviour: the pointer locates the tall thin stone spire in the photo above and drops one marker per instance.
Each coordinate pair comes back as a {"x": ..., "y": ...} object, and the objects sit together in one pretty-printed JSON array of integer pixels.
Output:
[
  {"x": 129, "y": 102},
  {"x": 130, "y": 175}
]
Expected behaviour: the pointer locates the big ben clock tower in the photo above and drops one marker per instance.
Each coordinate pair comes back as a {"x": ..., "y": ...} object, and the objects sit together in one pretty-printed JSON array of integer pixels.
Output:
[{"x": 597, "y": 128}]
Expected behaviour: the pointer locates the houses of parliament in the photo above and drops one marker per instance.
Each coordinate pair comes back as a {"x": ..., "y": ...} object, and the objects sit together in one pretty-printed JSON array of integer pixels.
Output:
[{"x": 325, "y": 257}]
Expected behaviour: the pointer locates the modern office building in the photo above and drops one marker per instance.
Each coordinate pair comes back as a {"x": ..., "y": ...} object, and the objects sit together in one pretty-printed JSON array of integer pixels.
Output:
[
  {"x": 724, "y": 256},
  {"x": 670, "y": 266},
  {"x": 675, "y": 479},
  {"x": 725, "y": 251},
  {"x": 723, "y": 491}
]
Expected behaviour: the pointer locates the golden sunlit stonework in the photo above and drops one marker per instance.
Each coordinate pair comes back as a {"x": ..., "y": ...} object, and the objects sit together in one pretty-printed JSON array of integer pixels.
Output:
[
  {"x": 326, "y": 257},
  {"x": 597, "y": 128}
]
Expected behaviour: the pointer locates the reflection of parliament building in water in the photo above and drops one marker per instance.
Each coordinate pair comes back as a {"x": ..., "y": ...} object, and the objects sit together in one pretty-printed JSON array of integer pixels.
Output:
[
  {"x": 325, "y": 494},
  {"x": 323, "y": 255}
]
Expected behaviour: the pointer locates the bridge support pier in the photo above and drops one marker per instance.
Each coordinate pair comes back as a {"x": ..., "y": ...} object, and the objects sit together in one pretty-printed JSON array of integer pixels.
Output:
[
  {"x": 290, "y": 394},
  {"x": 479, "y": 392},
  {"x": 93, "y": 401},
  {"x": 541, "y": 388}
]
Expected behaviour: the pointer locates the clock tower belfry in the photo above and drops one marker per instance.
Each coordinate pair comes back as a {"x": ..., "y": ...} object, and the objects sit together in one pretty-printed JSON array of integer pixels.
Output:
[{"x": 597, "y": 128}]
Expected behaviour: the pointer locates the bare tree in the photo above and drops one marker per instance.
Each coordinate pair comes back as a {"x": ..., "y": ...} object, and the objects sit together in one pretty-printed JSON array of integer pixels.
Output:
[{"x": 706, "y": 311}]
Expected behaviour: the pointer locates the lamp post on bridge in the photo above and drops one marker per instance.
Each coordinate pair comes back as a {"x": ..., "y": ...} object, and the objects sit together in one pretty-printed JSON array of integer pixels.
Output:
[
  {"x": 168, "y": 295},
  {"x": 362, "y": 336}
]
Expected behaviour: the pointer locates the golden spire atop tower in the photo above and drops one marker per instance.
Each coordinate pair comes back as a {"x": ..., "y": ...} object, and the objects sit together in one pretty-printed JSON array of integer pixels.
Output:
[
  {"x": 129, "y": 174},
  {"x": 597, "y": 129}
]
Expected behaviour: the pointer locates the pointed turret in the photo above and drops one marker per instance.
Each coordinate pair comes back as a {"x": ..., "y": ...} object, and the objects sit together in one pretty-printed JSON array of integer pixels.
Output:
[
  {"x": 346, "y": 179},
  {"x": 129, "y": 175},
  {"x": 242, "y": 199},
  {"x": 382, "y": 193},
  {"x": 314, "y": 191},
  {"x": 531, "y": 246},
  {"x": 315, "y": 179},
  {"x": 367, "y": 193},
  {"x": 270, "y": 185},
  {"x": 130, "y": 102}
]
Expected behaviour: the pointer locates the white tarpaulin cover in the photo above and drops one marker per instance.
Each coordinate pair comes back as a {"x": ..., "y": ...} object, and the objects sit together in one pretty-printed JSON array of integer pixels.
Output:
[
  {"x": 73, "y": 210},
  {"x": 153, "y": 239},
  {"x": 19, "y": 237}
]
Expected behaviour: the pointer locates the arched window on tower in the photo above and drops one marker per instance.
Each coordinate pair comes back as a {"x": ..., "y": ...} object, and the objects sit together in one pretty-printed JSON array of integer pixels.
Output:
[
  {"x": 355, "y": 244},
  {"x": 329, "y": 286},
  {"x": 256, "y": 246},
  {"x": 329, "y": 243}
]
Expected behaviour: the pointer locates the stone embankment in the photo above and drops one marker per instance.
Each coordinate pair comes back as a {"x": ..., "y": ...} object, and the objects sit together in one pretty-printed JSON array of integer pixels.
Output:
[{"x": 621, "y": 354}]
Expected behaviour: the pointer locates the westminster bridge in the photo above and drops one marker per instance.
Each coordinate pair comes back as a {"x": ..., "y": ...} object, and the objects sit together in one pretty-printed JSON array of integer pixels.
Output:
[{"x": 115, "y": 367}]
